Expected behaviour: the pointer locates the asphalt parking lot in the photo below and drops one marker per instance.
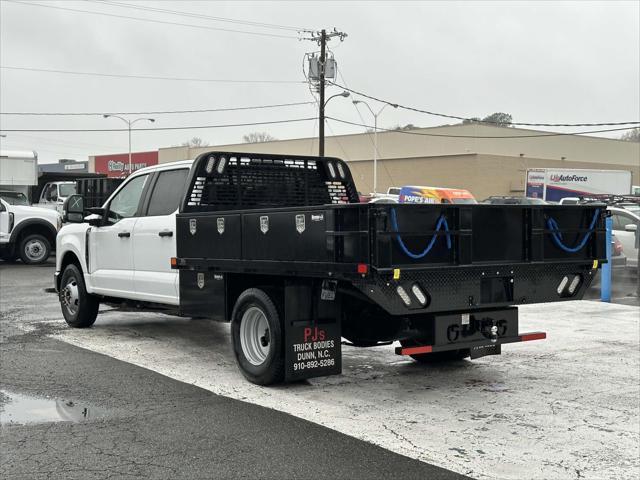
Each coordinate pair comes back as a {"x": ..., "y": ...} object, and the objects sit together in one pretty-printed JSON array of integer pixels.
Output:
[{"x": 170, "y": 401}]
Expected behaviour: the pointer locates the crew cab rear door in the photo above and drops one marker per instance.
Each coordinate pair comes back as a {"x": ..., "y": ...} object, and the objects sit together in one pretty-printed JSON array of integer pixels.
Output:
[{"x": 154, "y": 240}]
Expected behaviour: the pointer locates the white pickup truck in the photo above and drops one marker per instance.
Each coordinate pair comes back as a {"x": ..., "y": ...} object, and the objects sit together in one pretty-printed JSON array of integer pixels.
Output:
[
  {"x": 25, "y": 231},
  {"x": 281, "y": 247},
  {"x": 124, "y": 255}
]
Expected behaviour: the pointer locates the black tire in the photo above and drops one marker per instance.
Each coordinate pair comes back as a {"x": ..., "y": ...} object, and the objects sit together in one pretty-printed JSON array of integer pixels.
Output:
[
  {"x": 271, "y": 370},
  {"x": 436, "y": 357},
  {"x": 85, "y": 306},
  {"x": 34, "y": 249}
]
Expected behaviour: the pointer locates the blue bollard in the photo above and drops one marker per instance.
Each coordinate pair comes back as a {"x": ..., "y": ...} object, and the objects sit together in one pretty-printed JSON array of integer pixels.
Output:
[{"x": 605, "y": 274}]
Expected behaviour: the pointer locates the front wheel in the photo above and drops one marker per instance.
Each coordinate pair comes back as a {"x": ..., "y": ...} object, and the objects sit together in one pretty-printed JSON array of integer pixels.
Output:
[
  {"x": 34, "y": 249},
  {"x": 436, "y": 357},
  {"x": 257, "y": 336},
  {"x": 79, "y": 307}
]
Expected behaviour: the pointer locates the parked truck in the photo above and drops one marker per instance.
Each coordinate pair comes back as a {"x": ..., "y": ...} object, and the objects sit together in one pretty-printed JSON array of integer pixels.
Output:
[
  {"x": 554, "y": 184},
  {"x": 18, "y": 171},
  {"x": 54, "y": 188},
  {"x": 26, "y": 232},
  {"x": 279, "y": 246}
]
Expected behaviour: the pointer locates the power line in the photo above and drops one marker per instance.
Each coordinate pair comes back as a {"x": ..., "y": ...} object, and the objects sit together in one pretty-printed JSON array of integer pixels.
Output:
[
  {"x": 190, "y": 127},
  {"x": 148, "y": 77},
  {"x": 456, "y": 117},
  {"x": 161, "y": 112},
  {"x": 182, "y": 13},
  {"x": 149, "y": 20},
  {"x": 552, "y": 134}
]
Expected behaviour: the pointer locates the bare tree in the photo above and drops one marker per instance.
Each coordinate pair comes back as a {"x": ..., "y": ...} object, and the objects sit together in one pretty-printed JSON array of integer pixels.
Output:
[
  {"x": 631, "y": 135},
  {"x": 195, "y": 142},
  {"x": 257, "y": 137},
  {"x": 408, "y": 126},
  {"x": 499, "y": 119}
]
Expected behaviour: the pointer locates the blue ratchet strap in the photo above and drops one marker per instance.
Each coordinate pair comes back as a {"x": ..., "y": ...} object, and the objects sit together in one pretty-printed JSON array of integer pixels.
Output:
[
  {"x": 557, "y": 236},
  {"x": 416, "y": 256}
]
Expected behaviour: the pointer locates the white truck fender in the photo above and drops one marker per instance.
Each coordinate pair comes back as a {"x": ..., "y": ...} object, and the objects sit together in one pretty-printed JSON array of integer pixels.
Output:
[{"x": 72, "y": 240}]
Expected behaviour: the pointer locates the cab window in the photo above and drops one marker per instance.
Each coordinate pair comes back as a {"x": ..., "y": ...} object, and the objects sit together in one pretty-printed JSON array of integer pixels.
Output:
[
  {"x": 167, "y": 192},
  {"x": 620, "y": 221},
  {"x": 51, "y": 192},
  {"x": 125, "y": 203}
]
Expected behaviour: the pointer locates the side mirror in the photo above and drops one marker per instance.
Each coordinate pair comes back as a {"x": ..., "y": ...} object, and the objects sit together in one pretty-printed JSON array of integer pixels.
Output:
[
  {"x": 96, "y": 216},
  {"x": 73, "y": 209},
  {"x": 632, "y": 227}
]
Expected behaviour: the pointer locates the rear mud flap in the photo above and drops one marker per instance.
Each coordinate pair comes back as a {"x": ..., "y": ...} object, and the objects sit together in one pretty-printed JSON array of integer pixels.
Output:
[{"x": 313, "y": 332}]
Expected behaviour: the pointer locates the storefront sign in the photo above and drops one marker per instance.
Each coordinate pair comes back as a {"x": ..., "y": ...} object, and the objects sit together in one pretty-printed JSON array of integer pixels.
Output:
[{"x": 117, "y": 166}]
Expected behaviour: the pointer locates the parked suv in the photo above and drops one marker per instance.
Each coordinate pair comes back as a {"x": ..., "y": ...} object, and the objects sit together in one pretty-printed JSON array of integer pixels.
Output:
[{"x": 26, "y": 232}]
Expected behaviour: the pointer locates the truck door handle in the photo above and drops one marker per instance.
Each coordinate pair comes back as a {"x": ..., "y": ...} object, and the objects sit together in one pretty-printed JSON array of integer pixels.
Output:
[
  {"x": 165, "y": 233},
  {"x": 124, "y": 234}
]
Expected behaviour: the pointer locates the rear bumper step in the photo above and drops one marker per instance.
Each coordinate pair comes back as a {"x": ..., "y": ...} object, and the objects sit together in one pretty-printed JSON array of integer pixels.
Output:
[{"x": 525, "y": 337}]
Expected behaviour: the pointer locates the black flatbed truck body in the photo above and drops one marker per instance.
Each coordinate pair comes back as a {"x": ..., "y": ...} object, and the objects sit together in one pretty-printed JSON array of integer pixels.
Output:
[{"x": 437, "y": 277}]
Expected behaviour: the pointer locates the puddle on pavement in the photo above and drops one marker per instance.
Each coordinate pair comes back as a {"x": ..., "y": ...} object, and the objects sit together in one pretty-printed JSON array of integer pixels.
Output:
[{"x": 20, "y": 409}]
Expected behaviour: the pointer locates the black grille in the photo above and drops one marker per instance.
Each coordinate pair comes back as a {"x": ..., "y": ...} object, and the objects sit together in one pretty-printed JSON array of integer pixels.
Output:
[{"x": 265, "y": 181}]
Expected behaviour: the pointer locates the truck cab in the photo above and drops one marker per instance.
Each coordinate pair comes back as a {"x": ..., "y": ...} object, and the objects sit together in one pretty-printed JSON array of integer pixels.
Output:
[
  {"x": 124, "y": 248},
  {"x": 54, "y": 194}
]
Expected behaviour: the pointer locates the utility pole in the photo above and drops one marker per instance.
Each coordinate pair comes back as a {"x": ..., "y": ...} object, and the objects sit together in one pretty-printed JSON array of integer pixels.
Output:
[
  {"x": 323, "y": 62},
  {"x": 322, "y": 37}
]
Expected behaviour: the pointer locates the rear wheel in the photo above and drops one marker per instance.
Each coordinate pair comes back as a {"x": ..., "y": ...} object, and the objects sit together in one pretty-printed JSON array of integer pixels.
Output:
[
  {"x": 34, "y": 249},
  {"x": 257, "y": 336},
  {"x": 435, "y": 357},
  {"x": 79, "y": 308}
]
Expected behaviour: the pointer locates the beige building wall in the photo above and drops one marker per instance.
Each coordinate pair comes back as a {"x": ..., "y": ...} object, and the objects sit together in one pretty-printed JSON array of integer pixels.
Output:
[
  {"x": 482, "y": 175},
  {"x": 427, "y": 143},
  {"x": 485, "y": 166}
]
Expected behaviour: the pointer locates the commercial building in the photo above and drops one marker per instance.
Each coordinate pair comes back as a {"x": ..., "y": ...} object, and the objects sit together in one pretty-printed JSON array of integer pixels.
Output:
[
  {"x": 64, "y": 165},
  {"x": 484, "y": 159}
]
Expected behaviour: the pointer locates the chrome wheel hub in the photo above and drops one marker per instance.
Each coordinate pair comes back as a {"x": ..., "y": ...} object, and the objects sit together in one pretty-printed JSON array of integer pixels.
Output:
[
  {"x": 255, "y": 338},
  {"x": 34, "y": 250},
  {"x": 70, "y": 297}
]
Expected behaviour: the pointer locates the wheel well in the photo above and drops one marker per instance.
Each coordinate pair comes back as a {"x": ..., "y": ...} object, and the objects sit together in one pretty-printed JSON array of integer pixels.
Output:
[
  {"x": 38, "y": 229},
  {"x": 236, "y": 284},
  {"x": 68, "y": 259}
]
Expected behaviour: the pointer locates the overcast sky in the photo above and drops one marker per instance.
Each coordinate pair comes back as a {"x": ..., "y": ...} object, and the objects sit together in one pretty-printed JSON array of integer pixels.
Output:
[{"x": 540, "y": 61}]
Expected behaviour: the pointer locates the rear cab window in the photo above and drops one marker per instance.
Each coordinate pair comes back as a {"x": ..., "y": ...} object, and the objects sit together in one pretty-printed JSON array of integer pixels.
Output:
[{"x": 167, "y": 192}]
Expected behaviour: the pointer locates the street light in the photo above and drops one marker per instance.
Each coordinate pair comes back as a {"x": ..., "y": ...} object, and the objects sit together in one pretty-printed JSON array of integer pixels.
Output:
[
  {"x": 375, "y": 138},
  {"x": 321, "y": 126},
  {"x": 344, "y": 94},
  {"x": 129, "y": 123}
]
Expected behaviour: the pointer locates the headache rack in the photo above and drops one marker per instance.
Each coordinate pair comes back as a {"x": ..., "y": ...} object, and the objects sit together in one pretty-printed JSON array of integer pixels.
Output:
[{"x": 223, "y": 181}]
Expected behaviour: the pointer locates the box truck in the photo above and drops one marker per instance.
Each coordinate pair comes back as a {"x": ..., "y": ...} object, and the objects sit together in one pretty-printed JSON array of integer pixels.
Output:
[
  {"x": 554, "y": 184},
  {"x": 18, "y": 171}
]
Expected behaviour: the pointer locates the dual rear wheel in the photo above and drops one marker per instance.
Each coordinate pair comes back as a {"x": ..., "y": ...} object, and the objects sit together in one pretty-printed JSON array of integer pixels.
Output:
[{"x": 257, "y": 336}]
